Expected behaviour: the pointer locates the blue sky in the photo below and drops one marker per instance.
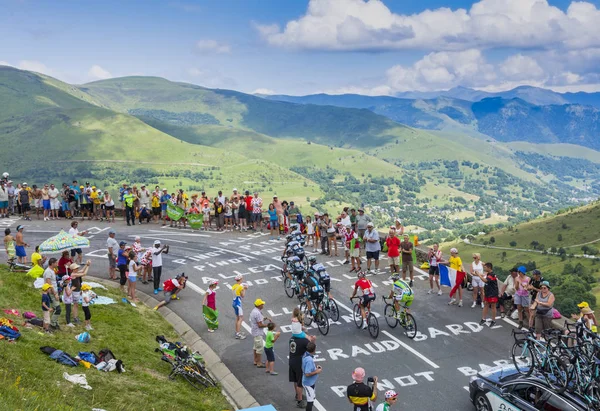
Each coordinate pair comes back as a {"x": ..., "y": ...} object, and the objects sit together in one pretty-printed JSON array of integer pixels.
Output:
[{"x": 301, "y": 46}]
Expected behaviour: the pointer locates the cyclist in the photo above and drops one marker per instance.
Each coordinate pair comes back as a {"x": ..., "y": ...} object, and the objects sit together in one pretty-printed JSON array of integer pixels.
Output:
[
  {"x": 322, "y": 274},
  {"x": 315, "y": 293},
  {"x": 390, "y": 398},
  {"x": 368, "y": 295},
  {"x": 402, "y": 293}
]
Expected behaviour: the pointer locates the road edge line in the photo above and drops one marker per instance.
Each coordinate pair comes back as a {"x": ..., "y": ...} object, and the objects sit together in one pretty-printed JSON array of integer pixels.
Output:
[{"x": 412, "y": 350}]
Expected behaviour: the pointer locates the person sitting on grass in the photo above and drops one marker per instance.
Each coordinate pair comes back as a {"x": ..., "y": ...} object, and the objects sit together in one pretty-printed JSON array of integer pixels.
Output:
[{"x": 171, "y": 288}]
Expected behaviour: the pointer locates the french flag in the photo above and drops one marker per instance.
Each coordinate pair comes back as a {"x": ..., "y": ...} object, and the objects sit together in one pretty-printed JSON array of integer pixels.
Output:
[{"x": 450, "y": 277}]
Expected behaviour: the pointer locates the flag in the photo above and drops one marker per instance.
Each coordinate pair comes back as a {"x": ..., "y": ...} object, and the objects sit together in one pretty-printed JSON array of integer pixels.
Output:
[
  {"x": 195, "y": 220},
  {"x": 175, "y": 213},
  {"x": 450, "y": 277}
]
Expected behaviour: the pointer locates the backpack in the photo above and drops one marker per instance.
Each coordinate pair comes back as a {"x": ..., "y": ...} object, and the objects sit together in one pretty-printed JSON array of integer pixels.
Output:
[
  {"x": 28, "y": 315},
  {"x": 63, "y": 358},
  {"x": 168, "y": 286},
  {"x": 36, "y": 321},
  {"x": 9, "y": 333},
  {"x": 105, "y": 355},
  {"x": 87, "y": 356}
]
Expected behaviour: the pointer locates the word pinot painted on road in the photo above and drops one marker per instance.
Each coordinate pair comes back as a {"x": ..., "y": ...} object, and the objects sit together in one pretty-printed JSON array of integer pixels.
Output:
[{"x": 384, "y": 384}]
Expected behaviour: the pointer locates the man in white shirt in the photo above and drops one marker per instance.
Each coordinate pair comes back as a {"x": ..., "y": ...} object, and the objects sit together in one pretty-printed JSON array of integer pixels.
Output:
[
  {"x": 113, "y": 249},
  {"x": 507, "y": 292},
  {"x": 157, "y": 264},
  {"x": 53, "y": 193},
  {"x": 74, "y": 231}
]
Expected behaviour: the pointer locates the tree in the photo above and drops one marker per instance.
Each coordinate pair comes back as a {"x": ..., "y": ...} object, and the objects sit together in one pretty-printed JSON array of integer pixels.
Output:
[
  {"x": 513, "y": 243},
  {"x": 492, "y": 240},
  {"x": 560, "y": 238}
]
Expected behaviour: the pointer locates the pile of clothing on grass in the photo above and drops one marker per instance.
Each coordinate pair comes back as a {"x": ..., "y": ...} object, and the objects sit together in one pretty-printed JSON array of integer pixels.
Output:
[
  {"x": 105, "y": 360},
  {"x": 8, "y": 331}
]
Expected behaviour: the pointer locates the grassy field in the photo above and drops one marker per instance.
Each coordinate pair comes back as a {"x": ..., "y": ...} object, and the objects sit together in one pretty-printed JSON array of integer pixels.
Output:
[
  {"x": 32, "y": 381},
  {"x": 558, "y": 150}
]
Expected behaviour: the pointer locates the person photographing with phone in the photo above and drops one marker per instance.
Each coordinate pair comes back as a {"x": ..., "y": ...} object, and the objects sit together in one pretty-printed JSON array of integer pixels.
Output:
[{"x": 359, "y": 394}]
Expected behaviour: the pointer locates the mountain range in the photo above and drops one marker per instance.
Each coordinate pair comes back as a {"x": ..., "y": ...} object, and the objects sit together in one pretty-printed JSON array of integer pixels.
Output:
[
  {"x": 319, "y": 150},
  {"x": 504, "y": 116}
]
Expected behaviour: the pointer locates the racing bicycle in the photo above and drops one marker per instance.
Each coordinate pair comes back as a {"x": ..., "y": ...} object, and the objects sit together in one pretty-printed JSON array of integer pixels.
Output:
[
  {"x": 372, "y": 323},
  {"x": 404, "y": 318},
  {"x": 320, "y": 318}
]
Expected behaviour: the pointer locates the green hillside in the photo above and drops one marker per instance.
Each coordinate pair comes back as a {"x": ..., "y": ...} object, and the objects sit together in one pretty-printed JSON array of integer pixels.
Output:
[{"x": 190, "y": 105}]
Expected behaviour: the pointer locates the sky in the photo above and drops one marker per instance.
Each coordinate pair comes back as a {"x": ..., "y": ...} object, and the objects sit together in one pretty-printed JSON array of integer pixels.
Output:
[{"x": 374, "y": 47}]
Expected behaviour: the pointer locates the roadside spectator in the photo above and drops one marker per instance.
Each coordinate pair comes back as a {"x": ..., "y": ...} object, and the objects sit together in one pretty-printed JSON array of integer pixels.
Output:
[
  {"x": 46, "y": 306},
  {"x": 279, "y": 210},
  {"x": 522, "y": 293},
  {"x": 77, "y": 274},
  {"x": 297, "y": 348},
  {"x": 172, "y": 288},
  {"x": 310, "y": 233},
  {"x": 372, "y": 246},
  {"x": 361, "y": 223},
  {"x": 407, "y": 260},
  {"x": 491, "y": 293},
  {"x": 67, "y": 299},
  {"x": 323, "y": 225},
  {"x": 310, "y": 374},
  {"x": 271, "y": 337},
  {"x": 20, "y": 245},
  {"x": 455, "y": 262},
  {"x": 243, "y": 213},
  {"x": 3, "y": 201},
  {"x": 257, "y": 323},
  {"x": 24, "y": 202},
  {"x": 544, "y": 302},
  {"x": 122, "y": 264},
  {"x": 332, "y": 238},
  {"x": 63, "y": 264},
  {"x": 239, "y": 292},
  {"x": 134, "y": 269},
  {"x": 74, "y": 231},
  {"x": 235, "y": 209},
  {"x": 113, "y": 247},
  {"x": 434, "y": 257},
  {"x": 129, "y": 199},
  {"x": 294, "y": 214},
  {"x": 345, "y": 219},
  {"x": 273, "y": 221},
  {"x": 9, "y": 244},
  {"x": 534, "y": 288},
  {"x": 87, "y": 295},
  {"x": 507, "y": 292},
  {"x": 12, "y": 197},
  {"x": 209, "y": 307},
  {"x": 353, "y": 218},
  {"x": 359, "y": 394},
  {"x": 157, "y": 264},
  {"x": 476, "y": 283},
  {"x": 50, "y": 278},
  {"x": 345, "y": 235},
  {"x": 256, "y": 204},
  {"x": 393, "y": 245},
  {"x": 164, "y": 199}
]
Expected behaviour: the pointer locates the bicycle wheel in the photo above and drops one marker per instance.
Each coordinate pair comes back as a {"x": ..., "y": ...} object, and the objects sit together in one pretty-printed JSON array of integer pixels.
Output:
[
  {"x": 306, "y": 314},
  {"x": 290, "y": 289},
  {"x": 358, "y": 320},
  {"x": 322, "y": 322},
  {"x": 334, "y": 311},
  {"x": 410, "y": 326},
  {"x": 523, "y": 358},
  {"x": 556, "y": 374},
  {"x": 194, "y": 380},
  {"x": 389, "y": 312},
  {"x": 373, "y": 325},
  {"x": 592, "y": 392}
]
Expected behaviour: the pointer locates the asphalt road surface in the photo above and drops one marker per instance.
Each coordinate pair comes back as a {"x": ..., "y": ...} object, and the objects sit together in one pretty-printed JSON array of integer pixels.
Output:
[{"x": 430, "y": 372}]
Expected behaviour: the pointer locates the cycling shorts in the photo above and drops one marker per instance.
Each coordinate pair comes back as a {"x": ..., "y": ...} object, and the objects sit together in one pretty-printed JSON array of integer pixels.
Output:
[
  {"x": 326, "y": 283},
  {"x": 406, "y": 299},
  {"x": 366, "y": 299}
]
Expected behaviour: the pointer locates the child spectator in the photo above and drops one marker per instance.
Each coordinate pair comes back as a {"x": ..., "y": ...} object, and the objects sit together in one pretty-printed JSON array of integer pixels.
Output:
[
  {"x": 228, "y": 216},
  {"x": 9, "y": 244},
  {"x": 46, "y": 306},
  {"x": 209, "y": 307},
  {"x": 134, "y": 269},
  {"x": 68, "y": 298},
  {"x": 490, "y": 290},
  {"x": 86, "y": 296},
  {"x": 206, "y": 212},
  {"x": 310, "y": 233},
  {"x": 271, "y": 337}
]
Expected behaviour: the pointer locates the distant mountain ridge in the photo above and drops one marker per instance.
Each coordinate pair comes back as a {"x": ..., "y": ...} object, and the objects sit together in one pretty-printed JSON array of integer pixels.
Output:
[{"x": 505, "y": 118}]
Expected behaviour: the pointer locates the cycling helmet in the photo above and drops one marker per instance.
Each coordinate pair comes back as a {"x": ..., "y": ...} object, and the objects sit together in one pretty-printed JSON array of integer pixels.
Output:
[
  {"x": 361, "y": 274},
  {"x": 390, "y": 394},
  {"x": 312, "y": 259},
  {"x": 395, "y": 277}
]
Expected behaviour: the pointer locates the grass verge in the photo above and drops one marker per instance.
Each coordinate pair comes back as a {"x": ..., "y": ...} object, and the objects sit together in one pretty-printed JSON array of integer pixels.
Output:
[{"x": 30, "y": 380}]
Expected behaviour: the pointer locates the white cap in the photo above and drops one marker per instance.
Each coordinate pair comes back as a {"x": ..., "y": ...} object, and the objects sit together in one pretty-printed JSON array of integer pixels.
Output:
[
  {"x": 370, "y": 224},
  {"x": 164, "y": 189},
  {"x": 399, "y": 221},
  {"x": 156, "y": 242},
  {"x": 235, "y": 189},
  {"x": 239, "y": 277},
  {"x": 137, "y": 237},
  {"x": 296, "y": 328}
]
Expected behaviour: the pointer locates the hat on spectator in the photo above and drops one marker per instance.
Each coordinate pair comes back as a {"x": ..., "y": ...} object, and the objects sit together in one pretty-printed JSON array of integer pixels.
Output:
[
  {"x": 522, "y": 269},
  {"x": 239, "y": 277},
  {"x": 370, "y": 224},
  {"x": 73, "y": 266},
  {"x": 156, "y": 242},
  {"x": 583, "y": 304},
  {"x": 359, "y": 374},
  {"x": 587, "y": 310},
  {"x": 258, "y": 302}
]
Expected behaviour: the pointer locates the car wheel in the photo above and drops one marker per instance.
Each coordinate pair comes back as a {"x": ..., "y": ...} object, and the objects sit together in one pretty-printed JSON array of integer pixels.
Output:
[{"x": 482, "y": 403}]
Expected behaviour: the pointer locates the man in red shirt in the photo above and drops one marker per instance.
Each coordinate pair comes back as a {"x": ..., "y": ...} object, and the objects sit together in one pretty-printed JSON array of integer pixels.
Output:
[
  {"x": 248, "y": 200},
  {"x": 368, "y": 295},
  {"x": 393, "y": 244}
]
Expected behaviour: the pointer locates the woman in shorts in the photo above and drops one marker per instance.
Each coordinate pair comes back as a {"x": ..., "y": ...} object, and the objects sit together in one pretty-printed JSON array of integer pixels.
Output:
[
  {"x": 522, "y": 294},
  {"x": 109, "y": 205},
  {"x": 476, "y": 281}
]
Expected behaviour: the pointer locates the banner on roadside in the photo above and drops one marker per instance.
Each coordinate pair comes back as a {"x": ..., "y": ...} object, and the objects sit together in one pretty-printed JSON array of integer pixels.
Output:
[
  {"x": 195, "y": 220},
  {"x": 174, "y": 212}
]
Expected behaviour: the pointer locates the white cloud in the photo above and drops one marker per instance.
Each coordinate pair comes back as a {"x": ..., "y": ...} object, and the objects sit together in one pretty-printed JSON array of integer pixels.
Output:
[
  {"x": 266, "y": 91},
  {"x": 33, "y": 65},
  {"x": 520, "y": 67},
  {"x": 5, "y": 63},
  {"x": 371, "y": 25},
  {"x": 195, "y": 72},
  {"x": 212, "y": 46},
  {"x": 98, "y": 73}
]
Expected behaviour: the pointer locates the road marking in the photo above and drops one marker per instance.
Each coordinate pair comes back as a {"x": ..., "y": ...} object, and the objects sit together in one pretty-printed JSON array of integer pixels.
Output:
[
  {"x": 410, "y": 349},
  {"x": 158, "y": 238},
  {"x": 232, "y": 252},
  {"x": 181, "y": 234},
  {"x": 195, "y": 287},
  {"x": 318, "y": 406}
]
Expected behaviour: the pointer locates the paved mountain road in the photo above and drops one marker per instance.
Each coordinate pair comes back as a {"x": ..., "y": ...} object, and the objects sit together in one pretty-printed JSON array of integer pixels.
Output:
[{"x": 429, "y": 372}]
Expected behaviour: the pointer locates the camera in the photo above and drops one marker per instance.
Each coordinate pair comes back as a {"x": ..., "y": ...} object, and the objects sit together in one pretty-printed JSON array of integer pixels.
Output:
[{"x": 370, "y": 379}]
